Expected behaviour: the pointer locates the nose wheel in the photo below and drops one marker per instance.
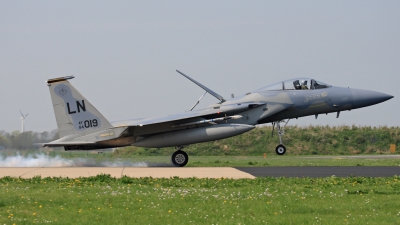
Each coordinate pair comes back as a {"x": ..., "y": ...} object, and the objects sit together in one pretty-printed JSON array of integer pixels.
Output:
[
  {"x": 180, "y": 158},
  {"x": 280, "y": 149}
]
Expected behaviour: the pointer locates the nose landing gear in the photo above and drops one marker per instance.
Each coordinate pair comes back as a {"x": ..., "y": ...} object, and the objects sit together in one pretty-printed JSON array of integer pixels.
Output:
[{"x": 280, "y": 149}]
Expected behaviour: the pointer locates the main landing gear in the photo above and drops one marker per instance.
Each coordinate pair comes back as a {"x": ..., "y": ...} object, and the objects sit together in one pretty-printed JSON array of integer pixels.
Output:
[
  {"x": 280, "y": 149},
  {"x": 180, "y": 158}
]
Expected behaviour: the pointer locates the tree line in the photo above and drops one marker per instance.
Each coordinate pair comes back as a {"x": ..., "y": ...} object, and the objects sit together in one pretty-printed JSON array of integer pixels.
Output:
[{"x": 25, "y": 140}]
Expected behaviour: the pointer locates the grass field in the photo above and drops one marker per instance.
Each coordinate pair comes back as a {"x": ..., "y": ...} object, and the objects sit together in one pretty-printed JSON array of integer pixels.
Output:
[
  {"x": 311, "y": 140},
  {"x": 299, "y": 140},
  {"x": 255, "y": 161},
  {"x": 81, "y": 158},
  {"x": 251, "y": 161},
  {"x": 106, "y": 200}
]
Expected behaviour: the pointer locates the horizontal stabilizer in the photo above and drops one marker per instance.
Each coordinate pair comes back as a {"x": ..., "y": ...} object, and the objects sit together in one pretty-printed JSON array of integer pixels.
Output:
[{"x": 59, "y": 79}]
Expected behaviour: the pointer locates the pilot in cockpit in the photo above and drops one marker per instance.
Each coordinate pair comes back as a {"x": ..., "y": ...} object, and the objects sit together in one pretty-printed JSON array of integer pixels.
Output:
[{"x": 303, "y": 84}]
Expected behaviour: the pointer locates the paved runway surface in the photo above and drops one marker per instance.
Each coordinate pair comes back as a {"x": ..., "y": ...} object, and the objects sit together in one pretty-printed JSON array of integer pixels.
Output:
[
  {"x": 204, "y": 172},
  {"x": 322, "y": 171}
]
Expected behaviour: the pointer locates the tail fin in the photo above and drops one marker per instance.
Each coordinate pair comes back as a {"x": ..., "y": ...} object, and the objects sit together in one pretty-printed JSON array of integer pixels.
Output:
[{"x": 74, "y": 113}]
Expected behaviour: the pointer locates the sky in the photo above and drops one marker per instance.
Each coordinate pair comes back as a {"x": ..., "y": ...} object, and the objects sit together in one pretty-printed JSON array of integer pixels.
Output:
[{"x": 124, "y": 54}]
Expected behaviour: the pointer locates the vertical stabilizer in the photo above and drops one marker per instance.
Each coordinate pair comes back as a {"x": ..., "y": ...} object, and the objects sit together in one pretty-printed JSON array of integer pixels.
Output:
[{"x": 75, "y": 115}]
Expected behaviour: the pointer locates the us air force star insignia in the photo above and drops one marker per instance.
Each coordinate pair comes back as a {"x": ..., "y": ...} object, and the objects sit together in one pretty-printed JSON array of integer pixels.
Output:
[{"x": 62, "y": 92}]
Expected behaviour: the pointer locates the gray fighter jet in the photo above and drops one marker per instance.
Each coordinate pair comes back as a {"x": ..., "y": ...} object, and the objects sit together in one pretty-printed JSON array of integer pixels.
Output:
[{"x": 82, "y": 127}]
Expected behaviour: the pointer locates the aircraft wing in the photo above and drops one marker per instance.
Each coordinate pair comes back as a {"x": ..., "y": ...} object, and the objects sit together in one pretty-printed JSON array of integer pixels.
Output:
[
  {"x": 169, "y": 118},
  {"x": 184, "y": 120},
  {"x": 205, "y": 113}
]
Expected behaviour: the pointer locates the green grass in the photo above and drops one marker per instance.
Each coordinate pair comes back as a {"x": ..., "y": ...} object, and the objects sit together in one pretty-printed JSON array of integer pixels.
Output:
[
  {"x": 223, "y": 161},
  {"x": 253, "y": 161},
  {"x": 311, "y": 140},
  {"x": 106, "y": 200}
]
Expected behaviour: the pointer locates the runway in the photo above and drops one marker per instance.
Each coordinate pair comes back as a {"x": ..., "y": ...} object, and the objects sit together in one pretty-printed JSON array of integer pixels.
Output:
[
  {"x": 322, "y": 171},
  {"x": 203, "y": 172}
]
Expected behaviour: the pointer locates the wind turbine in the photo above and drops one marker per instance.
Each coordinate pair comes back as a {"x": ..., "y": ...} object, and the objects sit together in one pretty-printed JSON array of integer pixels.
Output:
[{"x": 22, "y": 121}]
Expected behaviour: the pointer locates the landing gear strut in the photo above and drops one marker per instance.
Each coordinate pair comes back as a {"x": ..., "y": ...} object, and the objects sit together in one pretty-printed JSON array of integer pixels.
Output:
[
  {"x": 280, "y": 149},
  {"x": 179, "y": 158}
]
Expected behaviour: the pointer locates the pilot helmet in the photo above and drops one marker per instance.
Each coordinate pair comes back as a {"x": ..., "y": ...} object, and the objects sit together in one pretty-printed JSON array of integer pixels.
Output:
[{"x": 303, "y": 82}]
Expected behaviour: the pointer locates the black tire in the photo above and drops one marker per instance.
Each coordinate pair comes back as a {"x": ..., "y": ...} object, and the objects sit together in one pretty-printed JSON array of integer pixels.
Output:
[
  {"x": 180, "y": 158},
  {"x": 280, "y": 149}
]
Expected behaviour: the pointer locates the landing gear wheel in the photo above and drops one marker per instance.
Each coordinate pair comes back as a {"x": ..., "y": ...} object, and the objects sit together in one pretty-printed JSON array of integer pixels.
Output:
[
  {"x": 180, "y": 158},
  {"x": 280, "y": 149}
]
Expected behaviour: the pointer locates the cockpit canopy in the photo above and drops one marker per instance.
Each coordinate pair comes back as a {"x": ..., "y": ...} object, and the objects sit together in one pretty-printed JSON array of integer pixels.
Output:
[{"x": 295, "y": 84}]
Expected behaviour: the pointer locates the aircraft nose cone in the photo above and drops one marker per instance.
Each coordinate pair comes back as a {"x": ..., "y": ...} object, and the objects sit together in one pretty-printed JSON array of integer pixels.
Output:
[{"x": 363, "y": 98}]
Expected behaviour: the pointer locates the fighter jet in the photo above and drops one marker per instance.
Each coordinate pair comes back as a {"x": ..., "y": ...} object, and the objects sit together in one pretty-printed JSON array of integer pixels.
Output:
[{"x": 82, "y": 127}]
